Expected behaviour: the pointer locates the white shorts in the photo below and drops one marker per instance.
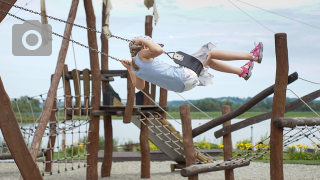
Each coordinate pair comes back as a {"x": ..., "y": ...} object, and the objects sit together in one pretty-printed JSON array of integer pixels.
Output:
[{"x": 190, "y": 79}]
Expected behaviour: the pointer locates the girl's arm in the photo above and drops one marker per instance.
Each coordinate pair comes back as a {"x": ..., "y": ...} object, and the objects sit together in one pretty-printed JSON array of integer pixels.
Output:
[
  {"x": 153, "y": 49},
  {"x": 136, "y": 81}
]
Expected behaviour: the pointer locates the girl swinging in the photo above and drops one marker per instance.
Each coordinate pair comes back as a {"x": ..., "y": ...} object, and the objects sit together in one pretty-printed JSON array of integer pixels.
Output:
[{"x": 146, "y": 66}]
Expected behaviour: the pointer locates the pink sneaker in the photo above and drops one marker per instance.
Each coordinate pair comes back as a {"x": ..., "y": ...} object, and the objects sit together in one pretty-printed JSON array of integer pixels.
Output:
[
  {"x": 246, "y": 70},
  {"x": 257, "y": 52}
]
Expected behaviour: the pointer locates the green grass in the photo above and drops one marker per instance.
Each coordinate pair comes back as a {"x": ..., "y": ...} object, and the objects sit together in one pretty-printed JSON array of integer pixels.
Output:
[{"x": 62, "y": 156}]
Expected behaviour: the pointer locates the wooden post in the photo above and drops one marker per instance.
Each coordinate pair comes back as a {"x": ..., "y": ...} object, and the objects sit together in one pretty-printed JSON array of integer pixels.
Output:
[
  {"x": 13, "y": 136},
  {"x": 46, "y": 113},
  {"x": 52, "y": 138},
  {"x": 145, "y": 150},
  {"x": 144, "y": 130},
  {"x": 227, "y": 145},
  {"x": 148, "y": 32},
  {"x": 278, "y": 106},
  {"x": 130, "y": 100},
  {"x": 92, "y": 169},
  {"x": 67, "y": 93},
  {"x": 108, "y": 134},
  {"x": 5, "y": 8},
  {"x": 188, "y": 145}
]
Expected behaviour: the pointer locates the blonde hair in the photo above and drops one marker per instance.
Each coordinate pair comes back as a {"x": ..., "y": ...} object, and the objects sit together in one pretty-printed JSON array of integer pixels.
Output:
[{"x": 134, "y": 50}]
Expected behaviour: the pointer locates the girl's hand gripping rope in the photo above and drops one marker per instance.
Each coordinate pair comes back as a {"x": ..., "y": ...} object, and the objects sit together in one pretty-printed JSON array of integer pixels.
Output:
[{"x": 126, "y": 64}]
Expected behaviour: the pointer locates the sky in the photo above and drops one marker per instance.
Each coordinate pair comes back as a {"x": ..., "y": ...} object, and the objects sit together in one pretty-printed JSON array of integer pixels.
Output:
[{"x": 183, "y": 25}]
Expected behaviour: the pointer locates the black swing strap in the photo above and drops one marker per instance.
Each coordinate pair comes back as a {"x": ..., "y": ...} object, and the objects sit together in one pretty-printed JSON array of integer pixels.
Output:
[{"x": 188, "y": 61}]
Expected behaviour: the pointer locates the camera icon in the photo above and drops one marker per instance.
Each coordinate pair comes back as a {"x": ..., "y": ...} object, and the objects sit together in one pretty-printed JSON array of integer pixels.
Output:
[{"x": 31, "y": 39}]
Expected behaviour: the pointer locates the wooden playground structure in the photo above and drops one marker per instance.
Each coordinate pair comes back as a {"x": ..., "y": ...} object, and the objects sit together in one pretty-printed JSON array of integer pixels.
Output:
[{"x": 189, "y": 160}]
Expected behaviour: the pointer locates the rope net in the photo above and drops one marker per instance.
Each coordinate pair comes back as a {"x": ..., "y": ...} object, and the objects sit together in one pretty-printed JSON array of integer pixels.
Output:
[{"x": 66, "y": 124}]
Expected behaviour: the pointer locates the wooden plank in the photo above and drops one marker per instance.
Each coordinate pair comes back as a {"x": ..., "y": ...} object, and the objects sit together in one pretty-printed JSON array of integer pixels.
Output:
[
  {"x": 153, "y": 94},
  {"x": 130, "y": 101},
  {"x": 5, "y": 8},
  {"x": 67, "y": 94},
  {"x": 298, "y": 121},
  {"x": 163, "y": 98},
  {"x": 203, "y": 168},
  {"x": 146, "y": 90},
  {"x": 188, "y": 146},
  {"x": 259, "y": 118},
  {"x": 227, "y": 145},
  {"x": 52, "y": 138},
  {"x": 14, "y": 139},
  {"x": 278, "y": 106},
  {"x": 77, "y": 90},
  {"x": 86, "y": 87},
  {"x": 240, "y": 110},
  {"x": 92, "y": 161},
  {"x": 47, "y": 108}
]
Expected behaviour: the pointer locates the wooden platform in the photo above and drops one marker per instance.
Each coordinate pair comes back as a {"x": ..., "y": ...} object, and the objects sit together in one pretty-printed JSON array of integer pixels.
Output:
[{"x": 154, "y": 155}]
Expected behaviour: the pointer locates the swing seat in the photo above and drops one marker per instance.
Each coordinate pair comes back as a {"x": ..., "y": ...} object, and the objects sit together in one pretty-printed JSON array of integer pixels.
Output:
[{"x": 188, "y": 61}]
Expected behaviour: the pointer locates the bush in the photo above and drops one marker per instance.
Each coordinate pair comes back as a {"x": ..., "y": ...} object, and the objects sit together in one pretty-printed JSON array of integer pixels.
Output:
[
  {"x": 129, "y": 146},
  {"x": 244, "y": 144},
  {"x": 299, "y": 152},
  {"x": 72, "y": 150},
  {"x": 151, "y": 146}
]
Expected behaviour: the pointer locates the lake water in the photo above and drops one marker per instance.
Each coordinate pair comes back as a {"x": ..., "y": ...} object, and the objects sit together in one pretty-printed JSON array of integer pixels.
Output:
[{"x": 125, "y": 132}]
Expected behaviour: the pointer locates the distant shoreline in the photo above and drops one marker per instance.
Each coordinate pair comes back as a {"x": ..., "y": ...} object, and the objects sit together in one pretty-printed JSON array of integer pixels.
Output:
[{"x": 195, "y": 115}]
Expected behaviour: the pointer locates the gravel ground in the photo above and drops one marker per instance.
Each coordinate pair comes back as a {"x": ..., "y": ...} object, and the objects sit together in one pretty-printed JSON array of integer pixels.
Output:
[{"x": 161, "y": 170}]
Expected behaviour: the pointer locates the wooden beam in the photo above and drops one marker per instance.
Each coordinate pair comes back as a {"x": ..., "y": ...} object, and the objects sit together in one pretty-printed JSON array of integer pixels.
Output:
[
  {"x": 278, "y": 106},
  {"x": 188, "y": 145},
  {"x": 227, "y": 145},
  {"x": 240, "y": 110},
  {"x": 203, "y": 168},
  {"x": 5, "y": 8},
  {"x": 105, "y": 78},
  {"x": 92, "y": 169},
  {"x": 259, "y": 118},
  {"x": 293, "y": 122},
  {"x": 14, "y": 139},
  {"x": 46, "y": 113}
]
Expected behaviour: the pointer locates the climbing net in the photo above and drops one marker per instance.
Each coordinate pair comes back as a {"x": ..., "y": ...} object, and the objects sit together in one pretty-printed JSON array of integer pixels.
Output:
[{"x": 65, "y": 140}]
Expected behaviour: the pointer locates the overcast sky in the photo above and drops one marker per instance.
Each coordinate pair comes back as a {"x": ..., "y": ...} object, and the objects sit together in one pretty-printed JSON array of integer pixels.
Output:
[{"x": 184, "y": 25}]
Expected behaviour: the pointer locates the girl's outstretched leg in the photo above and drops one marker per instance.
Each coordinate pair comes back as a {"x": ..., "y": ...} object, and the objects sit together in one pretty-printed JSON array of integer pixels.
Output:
[
  {"x": 223, "y": 67},
  {"x": 228, "y": 55}
]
